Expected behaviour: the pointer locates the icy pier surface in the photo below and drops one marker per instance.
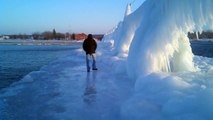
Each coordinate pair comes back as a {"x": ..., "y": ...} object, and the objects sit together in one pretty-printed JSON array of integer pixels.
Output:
[{"x": 64, "y": 90}]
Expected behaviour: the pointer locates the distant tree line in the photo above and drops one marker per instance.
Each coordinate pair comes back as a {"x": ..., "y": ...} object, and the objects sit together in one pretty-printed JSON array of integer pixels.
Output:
[
  {"x": 47, "y": 35},
  {"x": 203, "y": 35},
  {"x": 53, "y": 35}
]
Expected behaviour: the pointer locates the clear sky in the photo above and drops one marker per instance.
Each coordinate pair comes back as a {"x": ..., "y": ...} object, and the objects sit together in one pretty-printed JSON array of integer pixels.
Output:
[{"x": 74, "y": 16}]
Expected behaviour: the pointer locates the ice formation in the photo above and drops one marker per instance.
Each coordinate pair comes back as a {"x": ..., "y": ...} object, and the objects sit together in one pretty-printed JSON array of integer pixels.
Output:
[{"x": 155, "y": 35}]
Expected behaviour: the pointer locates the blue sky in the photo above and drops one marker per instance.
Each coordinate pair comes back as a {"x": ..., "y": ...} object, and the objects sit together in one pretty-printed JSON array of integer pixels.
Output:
[{"x": 74, "y": 16}]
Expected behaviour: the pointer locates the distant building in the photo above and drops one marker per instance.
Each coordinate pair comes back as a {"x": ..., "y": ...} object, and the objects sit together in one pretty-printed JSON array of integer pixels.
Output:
[{"x": 81, "y": 36}]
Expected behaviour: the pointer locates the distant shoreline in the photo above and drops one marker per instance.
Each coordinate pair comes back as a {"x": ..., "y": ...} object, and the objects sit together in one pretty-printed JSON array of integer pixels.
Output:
[
  {"x": 38, "y": 42},
  {"x": 201, "y": 40}
]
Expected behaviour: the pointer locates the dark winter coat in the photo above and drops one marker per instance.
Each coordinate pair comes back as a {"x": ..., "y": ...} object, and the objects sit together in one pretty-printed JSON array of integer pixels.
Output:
[{"x": 89, "y": 45}]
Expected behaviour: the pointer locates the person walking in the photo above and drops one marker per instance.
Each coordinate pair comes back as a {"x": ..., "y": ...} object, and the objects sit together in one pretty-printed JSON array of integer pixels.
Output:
[{"x": 89, "y": 46}]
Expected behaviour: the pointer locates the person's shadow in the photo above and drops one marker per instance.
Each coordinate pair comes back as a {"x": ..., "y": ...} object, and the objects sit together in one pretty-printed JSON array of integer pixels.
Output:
[{"x": 90, "y": 90}]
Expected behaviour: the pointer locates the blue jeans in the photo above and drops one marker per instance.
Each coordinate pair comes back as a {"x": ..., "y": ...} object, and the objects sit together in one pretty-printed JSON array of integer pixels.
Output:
[{"x": 88, "y": 61}]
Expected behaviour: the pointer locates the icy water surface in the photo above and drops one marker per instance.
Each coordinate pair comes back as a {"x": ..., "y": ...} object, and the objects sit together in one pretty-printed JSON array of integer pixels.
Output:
[
  {"x": 18, "y": 60},
  {"x": 202, "y": 48}
]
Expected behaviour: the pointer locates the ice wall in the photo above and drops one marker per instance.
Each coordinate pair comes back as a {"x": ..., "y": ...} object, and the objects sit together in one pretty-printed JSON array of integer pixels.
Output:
[
  {"x": 160, "y": 43},
  {"x": 125, "y": 30}
]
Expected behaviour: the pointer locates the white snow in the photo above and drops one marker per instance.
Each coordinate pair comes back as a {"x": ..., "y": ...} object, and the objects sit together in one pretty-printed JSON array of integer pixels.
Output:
[{"x": 146, "y": 72}]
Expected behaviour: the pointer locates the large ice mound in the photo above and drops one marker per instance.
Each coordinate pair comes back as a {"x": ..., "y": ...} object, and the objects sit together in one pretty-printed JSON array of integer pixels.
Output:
[{"x": 155, "y": 35}]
